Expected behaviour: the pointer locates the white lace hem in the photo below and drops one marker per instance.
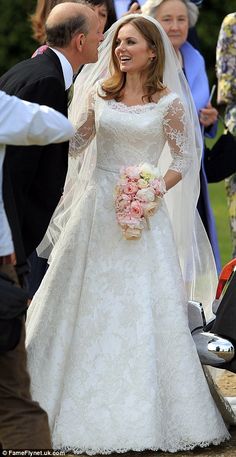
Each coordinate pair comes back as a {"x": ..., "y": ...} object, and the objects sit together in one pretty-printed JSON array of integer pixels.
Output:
[{"x": 181, "y": 446}]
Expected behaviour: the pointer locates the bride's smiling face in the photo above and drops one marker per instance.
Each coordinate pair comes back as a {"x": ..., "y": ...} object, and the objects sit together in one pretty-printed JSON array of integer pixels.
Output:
[{"x": 132, "y": 50}]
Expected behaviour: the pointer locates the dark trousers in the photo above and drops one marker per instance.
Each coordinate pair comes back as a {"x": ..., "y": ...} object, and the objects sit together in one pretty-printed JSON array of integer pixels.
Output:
[
  {"x": 38, "y": 268},
  {"x": 23, "y": 423}
]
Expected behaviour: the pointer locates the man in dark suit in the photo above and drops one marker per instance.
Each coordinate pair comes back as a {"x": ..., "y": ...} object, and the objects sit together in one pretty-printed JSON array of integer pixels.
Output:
[{"x": 38, "y": 173}]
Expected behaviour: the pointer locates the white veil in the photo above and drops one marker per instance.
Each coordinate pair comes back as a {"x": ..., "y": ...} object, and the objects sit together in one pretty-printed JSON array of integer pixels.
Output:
[{"x": 195, "y": 254}]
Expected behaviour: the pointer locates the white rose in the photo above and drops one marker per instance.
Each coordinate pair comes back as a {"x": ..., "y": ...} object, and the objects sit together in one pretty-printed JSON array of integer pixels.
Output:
[
  {"x": 142, "y": 183},
  {"x": 151, "y": 208},
  {"x": 146, "y": 168},
  {"x": 146, "y": 195}
]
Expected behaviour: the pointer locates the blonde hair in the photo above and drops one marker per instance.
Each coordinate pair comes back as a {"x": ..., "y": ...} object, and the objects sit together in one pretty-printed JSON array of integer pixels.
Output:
[
  {"x": 39, "y": 17},
  {"x": 150, "y": 8},
  {"x": 114, "y": 85}
]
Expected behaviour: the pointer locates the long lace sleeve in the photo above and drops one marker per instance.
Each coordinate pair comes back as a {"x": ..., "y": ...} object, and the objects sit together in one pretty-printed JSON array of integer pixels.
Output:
[
  {"x": 86, "y": 130},
  {"x": 175, "y": 130}
]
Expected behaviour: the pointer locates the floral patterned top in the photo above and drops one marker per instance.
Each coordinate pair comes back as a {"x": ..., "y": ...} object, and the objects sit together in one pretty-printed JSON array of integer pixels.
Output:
[{"x": 226, "y": 69}]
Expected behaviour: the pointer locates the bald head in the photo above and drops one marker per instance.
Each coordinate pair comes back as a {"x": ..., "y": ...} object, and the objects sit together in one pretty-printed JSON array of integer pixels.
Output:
[{"x": 65, "y": 20}]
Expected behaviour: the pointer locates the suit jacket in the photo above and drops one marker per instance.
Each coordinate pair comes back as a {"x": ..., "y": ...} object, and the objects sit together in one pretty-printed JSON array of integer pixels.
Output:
[{"x": 37, "y": 172}]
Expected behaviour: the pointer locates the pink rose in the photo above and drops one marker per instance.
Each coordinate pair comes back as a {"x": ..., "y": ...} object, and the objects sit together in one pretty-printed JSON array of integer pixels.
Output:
[
  {"x": 121, "y": 218},
  {"x": 126, "y": 197},
  {"x": 122, "y": 205},
  {"x": 136, "y": 209},
  {"x": 132, "y": 172},
  {"x": 159, "y": 185},
  {"x": 130, "y": 188}
]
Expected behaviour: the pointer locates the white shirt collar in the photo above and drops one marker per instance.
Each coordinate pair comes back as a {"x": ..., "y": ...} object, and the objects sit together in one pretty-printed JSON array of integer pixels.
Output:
[{"x": 66, "y": 68}]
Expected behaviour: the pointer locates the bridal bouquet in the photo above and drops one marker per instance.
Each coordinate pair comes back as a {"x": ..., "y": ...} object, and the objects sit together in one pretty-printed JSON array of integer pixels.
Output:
[{"x": 137, "y": 197}]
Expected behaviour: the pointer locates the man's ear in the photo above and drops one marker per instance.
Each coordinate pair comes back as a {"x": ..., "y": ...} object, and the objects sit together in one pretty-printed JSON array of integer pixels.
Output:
[{"x": 80, "y": 40}]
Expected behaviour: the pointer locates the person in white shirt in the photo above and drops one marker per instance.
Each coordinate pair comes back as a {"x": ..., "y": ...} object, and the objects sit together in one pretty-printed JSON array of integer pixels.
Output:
[
  {"x": 23, "y": 423},
  {"x": 25, "y": 123}
]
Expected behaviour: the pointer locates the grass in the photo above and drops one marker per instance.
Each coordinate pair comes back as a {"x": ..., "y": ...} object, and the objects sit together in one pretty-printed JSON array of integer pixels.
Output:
[{"x": 220, "y": 210}]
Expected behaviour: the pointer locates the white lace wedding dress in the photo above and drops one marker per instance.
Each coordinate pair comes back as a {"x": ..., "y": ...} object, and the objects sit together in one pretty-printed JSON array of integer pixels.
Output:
[{"x": 110, "y": 354}]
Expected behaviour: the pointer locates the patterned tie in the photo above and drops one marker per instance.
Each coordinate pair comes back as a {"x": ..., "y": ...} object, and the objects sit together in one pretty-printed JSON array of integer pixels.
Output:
[{"x": 70, "y": 93}]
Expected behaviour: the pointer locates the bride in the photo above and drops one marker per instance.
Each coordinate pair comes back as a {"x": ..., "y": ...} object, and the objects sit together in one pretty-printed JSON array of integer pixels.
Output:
[{"x": 110, "y": 354}]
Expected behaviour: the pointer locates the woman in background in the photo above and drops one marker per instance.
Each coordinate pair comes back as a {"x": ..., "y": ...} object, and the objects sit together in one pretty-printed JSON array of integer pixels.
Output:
[
  {"x": 38, "y": 18},
  {"x": 226, "y": 73},
  {"x": 176, "y": 16}
]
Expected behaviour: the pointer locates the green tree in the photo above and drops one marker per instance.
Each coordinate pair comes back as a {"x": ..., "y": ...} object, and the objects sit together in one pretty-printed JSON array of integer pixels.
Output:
[
  {"x": 16, "y": 42},
  {"x": 211, "y": 16}
]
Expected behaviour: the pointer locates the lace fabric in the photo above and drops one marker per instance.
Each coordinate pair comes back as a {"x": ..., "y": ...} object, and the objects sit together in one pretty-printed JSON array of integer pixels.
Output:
[
  {"x": 182, "y": 446},
  {"x": 174, "y": 124},
  {"x": 114, "y": 364},
  {"x": 82, "y": 137},
  {"x": 87, "y": 131},
  {"x": 174, "y": 128}
]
